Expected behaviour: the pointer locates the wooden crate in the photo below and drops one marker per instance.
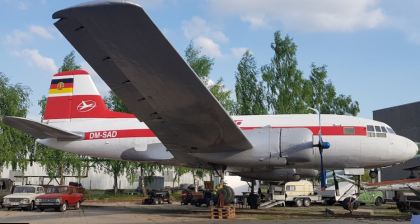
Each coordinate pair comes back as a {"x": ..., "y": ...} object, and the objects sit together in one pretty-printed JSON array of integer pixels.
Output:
[{"x": 225, "y": 212}]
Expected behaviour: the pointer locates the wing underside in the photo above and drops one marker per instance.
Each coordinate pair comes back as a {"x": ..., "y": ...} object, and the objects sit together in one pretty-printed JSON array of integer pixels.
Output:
[
  {"x": 40, "y": 130},
  {"x": 128, "y": 51}
]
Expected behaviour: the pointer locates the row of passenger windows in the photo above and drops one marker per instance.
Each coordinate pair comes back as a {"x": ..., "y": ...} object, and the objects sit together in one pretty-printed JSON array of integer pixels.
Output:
[{"x": 380, "y": 131}]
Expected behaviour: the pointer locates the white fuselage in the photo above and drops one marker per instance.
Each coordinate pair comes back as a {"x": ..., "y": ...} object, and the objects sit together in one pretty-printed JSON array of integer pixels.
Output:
[{"x": 355, "y": 147}]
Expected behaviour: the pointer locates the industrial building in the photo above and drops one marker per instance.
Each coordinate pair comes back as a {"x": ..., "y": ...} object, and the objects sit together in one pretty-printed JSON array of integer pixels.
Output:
[{"x": 405, "y": 121}]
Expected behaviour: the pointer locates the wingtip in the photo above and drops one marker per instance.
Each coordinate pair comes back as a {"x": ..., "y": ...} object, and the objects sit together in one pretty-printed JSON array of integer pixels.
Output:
[{"x": 64, "y": 13}]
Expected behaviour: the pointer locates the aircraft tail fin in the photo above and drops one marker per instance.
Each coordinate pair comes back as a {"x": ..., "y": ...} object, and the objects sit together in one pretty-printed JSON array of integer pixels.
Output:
[{"x": 73, "y": 95}]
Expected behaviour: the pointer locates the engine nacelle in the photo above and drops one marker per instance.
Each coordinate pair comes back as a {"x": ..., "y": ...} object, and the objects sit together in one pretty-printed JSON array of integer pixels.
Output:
[
  {"x": 279, "y": 174},
  {"x": 273, "y": 147}
]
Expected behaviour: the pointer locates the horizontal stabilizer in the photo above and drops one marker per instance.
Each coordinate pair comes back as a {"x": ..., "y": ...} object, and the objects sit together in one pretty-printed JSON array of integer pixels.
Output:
[{"x": 40, "y": 130}]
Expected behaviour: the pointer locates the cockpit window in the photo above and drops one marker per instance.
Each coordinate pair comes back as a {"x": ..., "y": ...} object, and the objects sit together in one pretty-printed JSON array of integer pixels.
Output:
[
  {"x": 383, "y": 129},
  {"x": 390, "y": 130},
  {"x": 370, "y": 128},
  {"x": 377, "y": 129}
]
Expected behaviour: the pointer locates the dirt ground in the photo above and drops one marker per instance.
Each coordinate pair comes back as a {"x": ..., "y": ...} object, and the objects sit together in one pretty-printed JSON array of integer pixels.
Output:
[{"x": 134, "y": 212}]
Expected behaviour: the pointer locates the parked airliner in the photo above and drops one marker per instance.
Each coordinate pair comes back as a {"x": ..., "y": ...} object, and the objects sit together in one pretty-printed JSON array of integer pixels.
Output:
[{"x": 176, "y": 120}]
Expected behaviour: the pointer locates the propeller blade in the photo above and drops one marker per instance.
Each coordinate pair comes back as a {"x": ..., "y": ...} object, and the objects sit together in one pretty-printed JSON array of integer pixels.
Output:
[{"x": 323, "y": 179}]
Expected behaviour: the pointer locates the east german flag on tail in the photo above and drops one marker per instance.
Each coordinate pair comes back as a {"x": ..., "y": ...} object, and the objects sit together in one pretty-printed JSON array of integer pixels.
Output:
[{"x": 61, "y": 85}]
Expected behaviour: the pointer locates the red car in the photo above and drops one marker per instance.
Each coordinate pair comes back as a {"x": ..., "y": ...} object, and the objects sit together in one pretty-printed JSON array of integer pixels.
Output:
[{"x": 59, "y": 198}]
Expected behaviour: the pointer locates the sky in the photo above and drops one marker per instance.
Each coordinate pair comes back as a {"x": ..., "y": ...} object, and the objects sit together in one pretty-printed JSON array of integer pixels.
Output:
[{"x": 371, "y": 47}]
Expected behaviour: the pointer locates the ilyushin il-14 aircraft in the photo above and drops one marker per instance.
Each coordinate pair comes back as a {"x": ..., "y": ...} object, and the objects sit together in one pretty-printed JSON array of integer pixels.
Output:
[{"x": 176, "y": 120}]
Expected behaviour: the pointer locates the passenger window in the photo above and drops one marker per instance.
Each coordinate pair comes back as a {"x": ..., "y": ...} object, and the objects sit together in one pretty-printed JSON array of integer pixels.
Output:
[
  {"x": 349, "y": 131},
  {"x": 377, "y": 129},
  {"x": 383, "y": 129},
  {"x": 381, "y": 135},
  {"x": 371, "y": 134},
  {"x": 370, "y": 128}
]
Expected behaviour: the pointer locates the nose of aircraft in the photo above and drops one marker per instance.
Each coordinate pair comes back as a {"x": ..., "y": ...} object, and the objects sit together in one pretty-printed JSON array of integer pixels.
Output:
[{"x": 412, "y": 148}]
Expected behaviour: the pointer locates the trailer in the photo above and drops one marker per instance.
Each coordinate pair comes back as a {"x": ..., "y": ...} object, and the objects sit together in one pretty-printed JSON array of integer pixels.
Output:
[{"x": 294, "y": 193}]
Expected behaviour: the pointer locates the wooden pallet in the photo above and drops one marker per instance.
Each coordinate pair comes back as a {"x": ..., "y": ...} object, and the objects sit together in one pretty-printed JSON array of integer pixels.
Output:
[{"x": 225, "y": 212}]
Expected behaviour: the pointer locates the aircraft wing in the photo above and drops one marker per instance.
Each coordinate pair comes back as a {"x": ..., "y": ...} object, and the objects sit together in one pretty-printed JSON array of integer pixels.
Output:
[
  {"x": 130, "y": 53},
  {"x": 40, "y": 130}
]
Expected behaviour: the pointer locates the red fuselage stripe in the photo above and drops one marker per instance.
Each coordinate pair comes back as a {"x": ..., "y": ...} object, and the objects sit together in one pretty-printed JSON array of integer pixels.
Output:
[
  {"x": 326, "y": 130},
  {"x": 131, "y": 133}
]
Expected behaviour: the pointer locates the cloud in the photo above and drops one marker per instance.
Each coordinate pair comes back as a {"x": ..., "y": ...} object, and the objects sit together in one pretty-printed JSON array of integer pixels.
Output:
[
  {"x": 23, "y": 5},
  {"x": 305, "y": 15},
  {"x": 198, "y": 27},
  {"x": 34, "y": 58},
  {"x": 208, "y": 47},
  {"x": 239, "y": 52},
  {"x": 19, "y": 37},
  {"x": 41, "y": 31},
  {"x": 404, "y": 18}
]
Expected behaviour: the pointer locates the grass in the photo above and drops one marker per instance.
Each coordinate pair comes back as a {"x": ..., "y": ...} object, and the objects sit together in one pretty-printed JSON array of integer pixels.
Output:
[{"x": 100, "y": 194}]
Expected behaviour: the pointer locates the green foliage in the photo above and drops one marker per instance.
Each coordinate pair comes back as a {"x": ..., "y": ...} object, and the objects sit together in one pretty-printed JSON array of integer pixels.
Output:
[
  {"x": 69, "y": 63},
  {"x": 201, "y": 65},
  {"x": 15, "y": 146},
  {"x": 222, "y": 94},
  {"x": 283, "y": 79},
  {"x": 289, "y": 93},
  {"x": 249, "y": 91},
  {"x": 319, "y": 90}
]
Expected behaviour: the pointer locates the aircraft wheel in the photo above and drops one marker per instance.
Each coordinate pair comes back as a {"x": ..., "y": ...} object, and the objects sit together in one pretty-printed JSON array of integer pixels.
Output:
[
  {"x": 378, "y": 201},
  {"x": 231, "y": 194},
  {"x": 155, "y": 201},
  {"x": 160, "y": 201},
  {"x": 373, "y": 174},
  {"x": 198, "y": 204},
  {"x": 346, "y": 203},
  {"x": 298, "y": 203},
  {"x": 306, "y": 202}
]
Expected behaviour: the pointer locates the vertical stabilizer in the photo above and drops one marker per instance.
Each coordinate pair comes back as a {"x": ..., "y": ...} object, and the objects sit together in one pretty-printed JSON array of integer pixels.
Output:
[{"x": 73, "y": 95}]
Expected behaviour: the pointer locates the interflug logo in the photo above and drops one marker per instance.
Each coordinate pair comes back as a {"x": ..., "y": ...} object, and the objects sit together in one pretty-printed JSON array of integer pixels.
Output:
[{"x": 86, "y": 105}]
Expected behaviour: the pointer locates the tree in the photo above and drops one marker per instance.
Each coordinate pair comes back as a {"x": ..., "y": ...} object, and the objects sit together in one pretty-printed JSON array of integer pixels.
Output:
[
  {"x": 117, "y": 168},
  {"x": 249, "y": 91},
  {"x": 201, "y": 65},
  {"x": 222, "y": 94},
  {"x": 15, "y": 146},
  {"x": 319, "y": 90},
  {"x": 283, "y": 79},
  {"x": 69, "y": 63}
]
